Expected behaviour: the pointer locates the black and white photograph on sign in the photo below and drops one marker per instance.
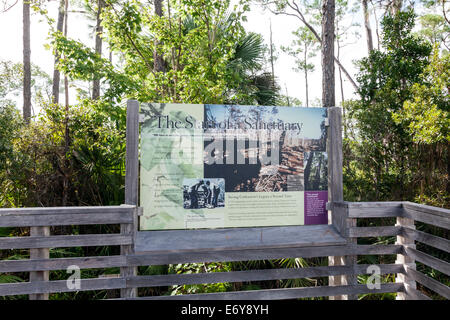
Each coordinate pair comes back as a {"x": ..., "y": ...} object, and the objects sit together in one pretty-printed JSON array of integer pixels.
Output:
[
  {"x": 252, "y": 130},
  {"x": 203, "y": 193},
  {"x": 316, "y": 171}
]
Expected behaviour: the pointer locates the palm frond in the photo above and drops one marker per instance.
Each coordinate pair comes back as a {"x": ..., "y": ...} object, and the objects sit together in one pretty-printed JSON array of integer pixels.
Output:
[{"x": 248, "y": 53}]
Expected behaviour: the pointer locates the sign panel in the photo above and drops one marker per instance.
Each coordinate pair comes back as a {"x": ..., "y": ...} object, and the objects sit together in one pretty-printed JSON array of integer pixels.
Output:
[{"x": 220, "y": 166}]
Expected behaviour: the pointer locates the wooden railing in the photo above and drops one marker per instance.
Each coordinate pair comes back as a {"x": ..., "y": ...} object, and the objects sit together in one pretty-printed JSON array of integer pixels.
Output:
[
  {"x": 346, "y": 217},
  {"x": 406, "y": 214}
]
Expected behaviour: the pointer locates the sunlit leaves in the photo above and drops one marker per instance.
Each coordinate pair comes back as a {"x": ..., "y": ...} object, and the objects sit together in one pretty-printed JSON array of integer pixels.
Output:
[{"x": 427, "y": 113}]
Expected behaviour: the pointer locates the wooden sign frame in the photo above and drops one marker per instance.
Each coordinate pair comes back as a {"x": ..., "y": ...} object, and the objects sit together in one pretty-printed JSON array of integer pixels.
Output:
[{"x": 270, "y": 238}]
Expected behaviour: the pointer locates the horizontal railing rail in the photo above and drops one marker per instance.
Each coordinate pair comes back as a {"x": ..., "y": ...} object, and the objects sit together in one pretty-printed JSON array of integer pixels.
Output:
[
  {"x": 412, "y": 212},
  {"x": 40, "y": 241},
  {"x": 255, "y": 275},
  {"x": 283, "y": 294}
]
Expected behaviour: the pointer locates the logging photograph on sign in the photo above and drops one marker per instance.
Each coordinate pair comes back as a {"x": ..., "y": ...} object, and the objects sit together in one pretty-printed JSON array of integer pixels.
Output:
[{"x": 221, "y": 166}]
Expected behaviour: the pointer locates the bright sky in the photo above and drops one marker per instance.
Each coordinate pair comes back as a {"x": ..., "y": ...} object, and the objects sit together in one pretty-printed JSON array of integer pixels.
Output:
[
  {"x": 310, "y": 128},
  {"x": 258, "y": 21},
  {"x": 282, "y": 27}
]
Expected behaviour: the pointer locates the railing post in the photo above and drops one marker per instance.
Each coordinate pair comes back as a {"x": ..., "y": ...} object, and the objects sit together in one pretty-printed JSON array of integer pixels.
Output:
[
  {"x": 131, "y": 189},
  {"x": 41, "y": 253},
  {"x": 350, "y": 260},
  {"x": 408, "y": 262},
  {"x": 343, "y": 223}
]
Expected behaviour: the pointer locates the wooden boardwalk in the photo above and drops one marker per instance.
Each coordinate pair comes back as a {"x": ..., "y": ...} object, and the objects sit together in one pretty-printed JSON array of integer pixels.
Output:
[
  {"x": 338, "y": 241},
  {"x": 241, "y": 244}
]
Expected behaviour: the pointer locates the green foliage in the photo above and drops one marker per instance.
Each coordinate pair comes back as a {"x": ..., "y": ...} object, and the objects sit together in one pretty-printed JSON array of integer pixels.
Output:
[
  {"x": 36, "y": 160},
  {"x": 435, "y": 28},
  {"x": 10, "y": 122},
  {"x": 383, "y": 162},
  {"x": 199, "y": 268},
  {"x": 10, "y": 126},
  {"x": 82, "y": 63},
  {"x": 396, "y": 147},
  {"x": 396, "y": 143},
  {"x": 247, "y": 84},
  {"x": 9, "y": 278},
  {"x": 11, "y": 83},
  {"x": 207, "y": 56},
  {"x": 303, "y": 48},
  {"x": 427, "y": 113},
  {"x": 363, "y": 279},
  {"x": 298, "y": 263},
  {"x": 385, "y": 77}
]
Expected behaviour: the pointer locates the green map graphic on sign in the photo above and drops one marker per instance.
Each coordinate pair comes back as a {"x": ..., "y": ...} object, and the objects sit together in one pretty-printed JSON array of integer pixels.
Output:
[{"x": 220, "y": 166}]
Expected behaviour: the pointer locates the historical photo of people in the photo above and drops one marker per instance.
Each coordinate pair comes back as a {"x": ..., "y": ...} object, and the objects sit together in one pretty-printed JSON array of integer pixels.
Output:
[{"x": 203, "y": 193}]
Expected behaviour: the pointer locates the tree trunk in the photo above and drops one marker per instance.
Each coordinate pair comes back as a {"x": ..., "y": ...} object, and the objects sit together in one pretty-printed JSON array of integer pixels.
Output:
[
  {"x": 316, "y": 183},
  {"x": 98, "y": 47},
  {"x": 306, "y": 85},
  {"x": 287, "y": 95},
  {"x": 316, "y": 35},
  {"x": 328, "y": 83},
  {"x": 341, "y": 82},
  {"x": 367, "y": 26},
  {"x": 66, "y": 81},
  {"x": 377, "y": 27},
  {"x": 396, "y": 6},
  {"x": 448, "y": 168},
  {"x": 26, "y": 63},
  {"x": 158, "y": 62},
  {"x": 308, "y": 158},
  {"x": 66, "y": 124},
  {"x": 306, "y": 75},
  {"x": 56, "y": 73}
]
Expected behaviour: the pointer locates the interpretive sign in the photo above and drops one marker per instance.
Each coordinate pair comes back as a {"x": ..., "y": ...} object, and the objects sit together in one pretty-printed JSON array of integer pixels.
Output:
[{"x": 220, "y": 166}]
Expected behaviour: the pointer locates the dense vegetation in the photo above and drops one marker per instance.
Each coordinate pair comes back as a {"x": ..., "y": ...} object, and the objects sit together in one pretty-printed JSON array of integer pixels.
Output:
[{"x": 396, "y": 132}]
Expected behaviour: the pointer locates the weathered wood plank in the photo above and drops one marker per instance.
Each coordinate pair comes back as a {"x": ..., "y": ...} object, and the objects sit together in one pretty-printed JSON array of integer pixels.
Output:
[
  {"x": 404, "y": 259},
  {"x": 375, "y": 212},
  {"x": 131, "y": 188},
  {"x": 281, "y": 294},
  {"x": 427, "y": 217},
  {"x": 352, "y": 260},
  {"x": 158, "y": 259},
  {"x": 430, "y": 283},
  {"x": 259, "y": 254},
  {"x": 428, "y": 239},
  {"x": 255, "y": 275},
  {"x": 370, "y": 204},
  {"x": 427, "y": 209},
  {"x": 62, "y": 263},
  {"x": 46, "y": 287},
  {"x": 237, "y": 238},
  {"x": 361, "y": 232},
  {"x": 132, "y": 153},
  {"x": 428, "y": 260},
  {"x": 334, "y": 150},
  {"x": 414, "y": 294},
  {"x": 335, "y": 184},
  {"x": 64, "y": 220},
  {"x": 339, "y": 218},
  {"x": 124, "y": 209},
  {"x": 64, "y": 241}
]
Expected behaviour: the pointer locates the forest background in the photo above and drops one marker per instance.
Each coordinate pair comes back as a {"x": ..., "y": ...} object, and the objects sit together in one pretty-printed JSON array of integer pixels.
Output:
[{"x": 62, "y": 132}]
